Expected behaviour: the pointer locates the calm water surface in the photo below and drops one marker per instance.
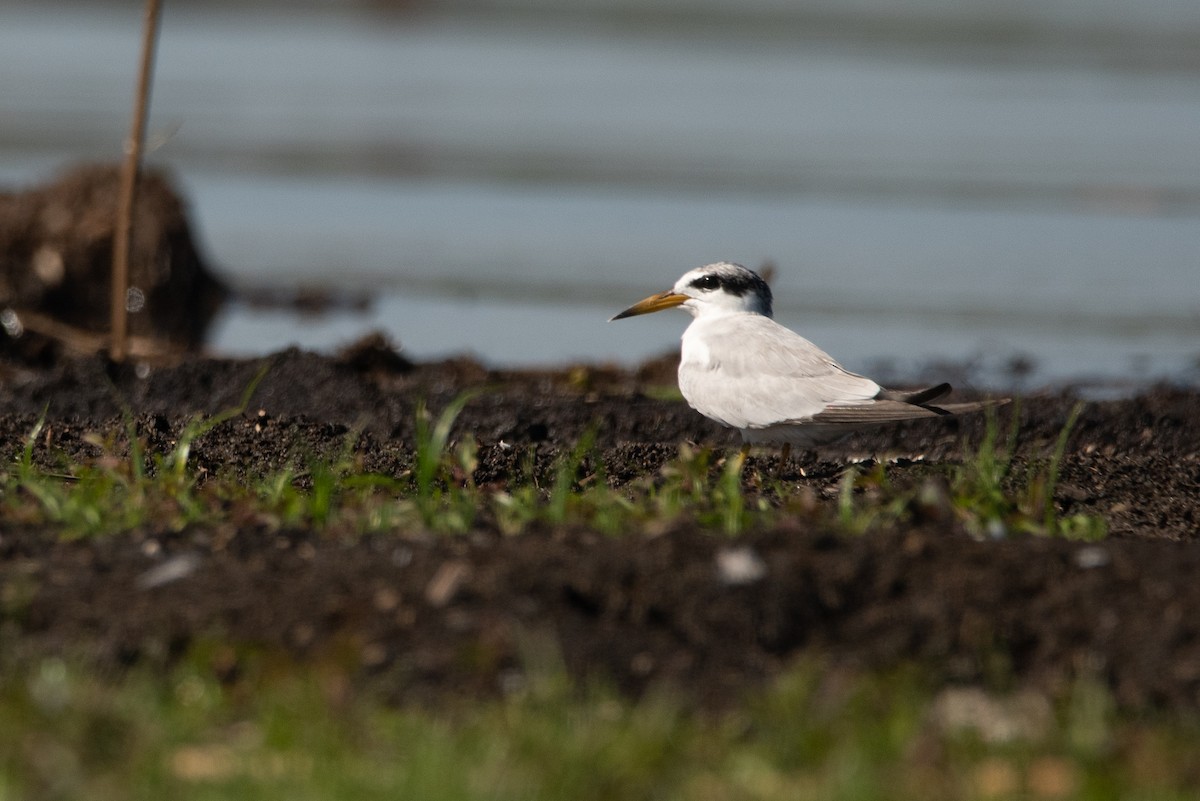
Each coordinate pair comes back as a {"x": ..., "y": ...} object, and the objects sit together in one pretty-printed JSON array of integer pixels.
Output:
[{"x": 500, "y": 184}]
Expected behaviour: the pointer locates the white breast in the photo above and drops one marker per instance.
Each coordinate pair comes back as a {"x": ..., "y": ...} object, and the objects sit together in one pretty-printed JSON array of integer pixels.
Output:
[{"x": 694, "y": 351}]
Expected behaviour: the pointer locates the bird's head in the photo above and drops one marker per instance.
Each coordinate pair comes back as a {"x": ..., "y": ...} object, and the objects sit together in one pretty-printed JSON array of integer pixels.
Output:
[{"x": 721, "y": 288}]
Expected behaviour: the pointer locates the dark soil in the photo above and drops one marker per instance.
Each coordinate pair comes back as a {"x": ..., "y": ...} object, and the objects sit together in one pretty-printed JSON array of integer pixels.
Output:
[{"x": 423, "y": 617}]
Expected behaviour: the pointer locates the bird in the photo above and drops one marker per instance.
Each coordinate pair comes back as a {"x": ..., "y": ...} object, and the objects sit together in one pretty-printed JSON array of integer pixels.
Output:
[{"x": 743, "y": 370}]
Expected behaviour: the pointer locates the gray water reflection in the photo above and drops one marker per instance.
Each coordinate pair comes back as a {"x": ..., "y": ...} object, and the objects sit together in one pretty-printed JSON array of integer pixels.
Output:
[{"x": 502, "y": 182}]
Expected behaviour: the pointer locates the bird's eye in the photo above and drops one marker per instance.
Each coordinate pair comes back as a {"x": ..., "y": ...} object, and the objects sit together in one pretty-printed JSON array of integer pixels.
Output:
[{"x": 707, "y": 282}]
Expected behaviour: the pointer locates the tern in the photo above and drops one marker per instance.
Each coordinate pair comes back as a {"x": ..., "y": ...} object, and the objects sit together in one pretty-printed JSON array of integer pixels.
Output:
[{"x": 743, "y": 370}]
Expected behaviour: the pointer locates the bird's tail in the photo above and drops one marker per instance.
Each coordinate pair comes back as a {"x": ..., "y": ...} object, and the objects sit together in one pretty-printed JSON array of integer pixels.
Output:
[{"x": 918, "y": 397}]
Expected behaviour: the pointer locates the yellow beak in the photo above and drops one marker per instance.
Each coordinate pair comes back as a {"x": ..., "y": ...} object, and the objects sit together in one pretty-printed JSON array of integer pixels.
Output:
[{"x": 663, "y": 300}]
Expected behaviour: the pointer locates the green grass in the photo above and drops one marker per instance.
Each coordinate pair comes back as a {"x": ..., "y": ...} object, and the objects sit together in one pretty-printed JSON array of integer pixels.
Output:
[
  {"x": 813, "y": 734},
  {"x": 126, "y": 488},
  {"x": 993, "y": 502}
]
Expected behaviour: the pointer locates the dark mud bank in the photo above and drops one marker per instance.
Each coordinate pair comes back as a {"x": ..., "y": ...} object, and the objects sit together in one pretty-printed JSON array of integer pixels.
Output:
[{"x": 423, "y": 616}]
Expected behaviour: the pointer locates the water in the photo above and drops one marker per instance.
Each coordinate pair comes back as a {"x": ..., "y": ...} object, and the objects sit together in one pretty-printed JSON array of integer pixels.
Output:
[{"x": 501, "y": 183}]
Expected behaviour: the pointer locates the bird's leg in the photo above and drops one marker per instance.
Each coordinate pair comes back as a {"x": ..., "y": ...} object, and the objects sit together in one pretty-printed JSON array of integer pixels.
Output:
[
  {"x": 744, "y": 452},
  {"x": 784, "y": 455}
]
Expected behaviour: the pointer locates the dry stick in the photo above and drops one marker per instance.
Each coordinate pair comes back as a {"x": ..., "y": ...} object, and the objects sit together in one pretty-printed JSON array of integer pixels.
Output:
[{"x": 129, "y": 176}]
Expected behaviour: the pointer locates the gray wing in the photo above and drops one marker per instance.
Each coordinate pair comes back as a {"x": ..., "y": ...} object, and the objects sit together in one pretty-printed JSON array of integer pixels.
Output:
[
  {"x": 891, "y": 411},
  {"x": 889, "y": 405},
  {"x": 747, "y": 371}
]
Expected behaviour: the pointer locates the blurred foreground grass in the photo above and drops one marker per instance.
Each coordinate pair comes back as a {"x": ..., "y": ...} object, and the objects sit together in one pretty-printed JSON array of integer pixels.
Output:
[{"x": 286, "y": 730}]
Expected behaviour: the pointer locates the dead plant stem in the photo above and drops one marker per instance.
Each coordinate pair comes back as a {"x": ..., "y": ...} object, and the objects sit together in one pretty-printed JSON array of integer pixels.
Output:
[{"x": 129, "y": 177}]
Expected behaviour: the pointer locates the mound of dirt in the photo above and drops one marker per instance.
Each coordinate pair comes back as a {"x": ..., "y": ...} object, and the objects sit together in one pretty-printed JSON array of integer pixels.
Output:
[{"x": 56, "y": 245}]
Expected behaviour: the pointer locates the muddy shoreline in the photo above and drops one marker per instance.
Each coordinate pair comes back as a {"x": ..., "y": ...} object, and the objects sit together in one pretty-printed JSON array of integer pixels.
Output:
[{"x": 639, "y": 610}]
